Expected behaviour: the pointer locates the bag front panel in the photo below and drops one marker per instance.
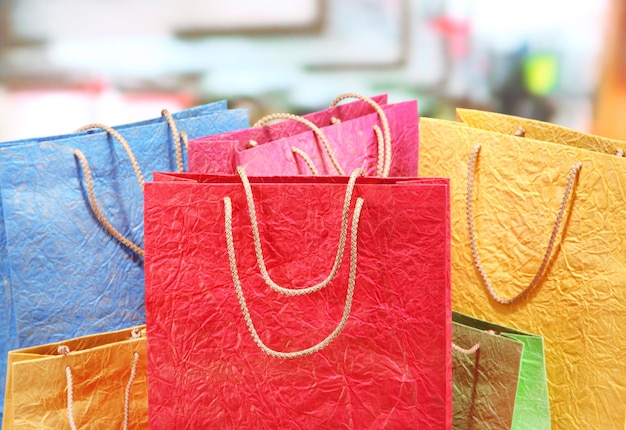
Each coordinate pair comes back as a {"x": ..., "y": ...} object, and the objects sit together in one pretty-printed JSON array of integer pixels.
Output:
[
  {"x": 578, "y": 305},
  {"x": 388, "y": 366}
]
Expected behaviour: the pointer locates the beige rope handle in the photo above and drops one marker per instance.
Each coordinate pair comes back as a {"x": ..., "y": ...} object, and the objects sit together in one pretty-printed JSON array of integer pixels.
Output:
[
  {"x": 259, "y": 250},
  {"x": 464, "y": 351},
  {"x": 472, "y": 233},
  {"x": 318, "y": 132},
  {"x": 384, "y": 167},
  {"x": 70, "y": 397},
  {"x": 242, "y": 301},
  {"x": 185, "y": 139},
  {"x": 380, "y": 166},
  {"x": 125, "y": 145},
  {"x": 307, "y": 160},
  {"x": 129, "y": 384},
  {"x": 177, "y": 139},
  {"x": 70, "y": 389},
  {"x": 96, "y": 209},
  {"x": 380, "y": 163}
]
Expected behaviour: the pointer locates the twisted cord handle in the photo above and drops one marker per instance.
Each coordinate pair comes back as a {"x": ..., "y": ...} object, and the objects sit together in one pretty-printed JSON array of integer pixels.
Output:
[
  {"x": 318, "y": 132},
  {"x": 384, "y": 143},
  {"x": 125, "y": 145},
  {"x": 259, "y": 250},
  {"x": 472, "y": 231},
  {"x": 242, "y": 301},
  {"x": 96, "y": 208}
]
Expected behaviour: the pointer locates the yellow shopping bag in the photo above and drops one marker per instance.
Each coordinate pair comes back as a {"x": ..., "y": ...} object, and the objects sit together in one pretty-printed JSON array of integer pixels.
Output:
[
  {"x": 539, "y": 243},
  {"x": 95, "y": 382}
]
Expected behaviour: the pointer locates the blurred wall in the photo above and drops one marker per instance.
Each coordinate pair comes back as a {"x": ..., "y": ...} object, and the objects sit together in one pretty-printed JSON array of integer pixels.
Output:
[{"x": 68, "y": 62}]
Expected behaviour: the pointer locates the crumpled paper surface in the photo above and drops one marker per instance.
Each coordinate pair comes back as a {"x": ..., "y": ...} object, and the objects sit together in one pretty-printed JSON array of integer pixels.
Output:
[
  {"x": 580, "y": 305},
  {"x": 503, "y": 385},
  {"x": 68, "y": 276},
  {"x": 353, "y": 142},
  {"x": 389, "y": 367},
  {"x": 539, "y": 130},
  {"x": 217, "y": 153},
  {"x": 484, "y": 383},
  {"x": 100, "y": 365}
]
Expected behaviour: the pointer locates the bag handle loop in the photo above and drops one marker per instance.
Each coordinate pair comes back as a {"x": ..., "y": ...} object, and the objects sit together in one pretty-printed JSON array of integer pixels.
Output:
[
  {"x": 180, "y": 138},
  {"x": 318, "y": 132},
  {"x": 124, "y": 144},
  {"x": 259, "y": 250},
  {"x": 242, "y": 301},
  {"x": 96, "y": 209},
  {"x": 307, "y": 160},
  {"x": 472, "y": 232},
  {"x": 464, "y": 351},
  {"x": 383, "y": 137},
  {"x": 63, "y": 349}
]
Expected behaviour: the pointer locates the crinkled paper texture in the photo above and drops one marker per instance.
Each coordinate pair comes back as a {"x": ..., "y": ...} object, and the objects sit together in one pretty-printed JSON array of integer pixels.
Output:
[
  {"x": 36, "y": 397},
  {"x": 539, "y": 130},
  {"x": 484, "y": 382},
  {"x": 389, "y": 367},
  {"x": 63, "y": 274},
  {"x": 579, "y": 307},
  {"x": 217, "y": 153},
  {"x": 501, "y": 386},
  {"x": 353, "y": 142}
]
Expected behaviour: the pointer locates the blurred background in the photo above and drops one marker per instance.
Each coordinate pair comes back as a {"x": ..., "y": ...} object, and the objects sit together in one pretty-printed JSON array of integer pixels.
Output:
[{"x": 67, "y": 63}]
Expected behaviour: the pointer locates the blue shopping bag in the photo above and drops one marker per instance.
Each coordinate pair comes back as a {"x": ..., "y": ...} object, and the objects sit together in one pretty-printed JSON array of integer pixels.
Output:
[{"x": 58, "y": 261}]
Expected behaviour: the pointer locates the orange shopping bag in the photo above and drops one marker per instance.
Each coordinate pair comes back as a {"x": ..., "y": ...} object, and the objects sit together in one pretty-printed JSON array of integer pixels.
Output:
[{"x": 97, "y": 382}]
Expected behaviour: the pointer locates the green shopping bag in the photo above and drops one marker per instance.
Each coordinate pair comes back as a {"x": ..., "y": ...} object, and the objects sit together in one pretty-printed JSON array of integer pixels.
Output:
[{"x": 498, "y": 377}]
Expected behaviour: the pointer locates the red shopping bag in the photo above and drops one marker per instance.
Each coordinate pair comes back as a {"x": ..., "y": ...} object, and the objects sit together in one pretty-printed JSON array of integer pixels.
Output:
[
  {"x": 298, "y": 302},
  {"x": 380, "y": 138}
]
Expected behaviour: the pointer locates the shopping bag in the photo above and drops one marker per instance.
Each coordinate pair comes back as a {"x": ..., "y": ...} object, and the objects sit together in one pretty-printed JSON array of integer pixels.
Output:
[
  {"x": 380, "y": 138},
  {"x": 97, "y": 382},
  {"x": 57, "y": 256},
  {"x": 6, "y": 307},
  {"x": 498, "y": 377},
  {"x": 539, "y": 130},
  {"x": 361, "y": 342},
  {"x": 538, "y": 243}
]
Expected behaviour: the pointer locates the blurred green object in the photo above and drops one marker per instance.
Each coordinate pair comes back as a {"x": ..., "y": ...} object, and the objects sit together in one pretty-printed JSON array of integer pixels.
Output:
[
  {"x": 541, "y": 73},
  {"x": 500, "y": 381}
]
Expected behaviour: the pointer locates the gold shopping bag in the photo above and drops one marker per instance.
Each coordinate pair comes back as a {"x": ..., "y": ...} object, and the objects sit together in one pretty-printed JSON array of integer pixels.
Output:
[
  {"x": 96, "y": 382},
  {"x": 539, "y": 243}
]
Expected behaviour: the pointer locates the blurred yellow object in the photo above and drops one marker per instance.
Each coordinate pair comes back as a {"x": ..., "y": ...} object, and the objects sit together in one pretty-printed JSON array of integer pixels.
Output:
[
  {"x": 95, "y": 382},
  {"x": 539, "y": 130},
  {"x": 512, "y": 192},
  {"x": 541, "y": 74}
]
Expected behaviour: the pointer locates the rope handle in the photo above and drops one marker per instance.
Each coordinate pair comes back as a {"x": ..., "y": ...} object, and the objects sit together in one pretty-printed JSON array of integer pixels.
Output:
[
  {"x": 64, "y": 350},
  {"x": 472, "y": 232},
  {"x": 242, "y": 301},
  {"x": 259, "y": 250},
  {"x": 384, "y": 141},
  {"x": 125, "y": 145},
  {"x": 307, "y": 160},
  {"x": 96, "y": 209},
  {"x": 180, "y": 138},
  {"x": 318, "y": 132},
  {"x": 70, "y": 393},
  {"x": 464, "y": 351}
]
